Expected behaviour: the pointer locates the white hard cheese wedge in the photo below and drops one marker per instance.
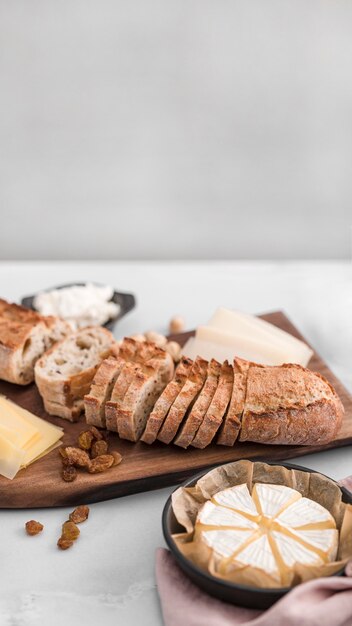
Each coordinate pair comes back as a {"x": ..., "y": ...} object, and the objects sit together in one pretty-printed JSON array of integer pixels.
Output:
[
  {"x": 272, "y": 499},
  {"x": 213, "y": 515},
  {"x": 246, "y": 325},
  {"x": 237, "y": 498},
  {"x": 304, "y": 513},
  {"x": 226, "y": 542}
]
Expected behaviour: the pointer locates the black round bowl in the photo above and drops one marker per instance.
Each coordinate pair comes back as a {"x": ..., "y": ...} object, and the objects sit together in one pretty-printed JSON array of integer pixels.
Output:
[
  {"x": 126, "y": 302},
  {"x": 241, "y": 595}
]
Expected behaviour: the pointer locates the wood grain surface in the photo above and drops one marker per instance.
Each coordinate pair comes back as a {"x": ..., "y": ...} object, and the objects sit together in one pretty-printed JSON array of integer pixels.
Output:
[{"x": 143, "y": 467}]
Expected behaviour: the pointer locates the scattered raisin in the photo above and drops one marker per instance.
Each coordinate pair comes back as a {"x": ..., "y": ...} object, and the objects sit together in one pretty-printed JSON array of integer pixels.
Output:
[
  {"x": 96, "y": 433},
  {"x": 62, "y": 452},
  {"x": 33, "y": 527},
  {"x": 101, "y": 463},
  {"x": 70, "y": 530},
  {"x": 85, "y": 440},
  {"x": 98, "y": 448},
  {"x": 64, "y": 543},
  {"x": 117, "y": 458},
  {"x": 69, "y": 473},
  {"x": 79, "y": 515},
  {"x": 78, "y": 457}
]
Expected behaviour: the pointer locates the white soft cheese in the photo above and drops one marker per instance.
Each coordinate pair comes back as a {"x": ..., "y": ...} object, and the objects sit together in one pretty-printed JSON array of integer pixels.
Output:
[
  {"x": 80, "y": 305},
  {"x": 271, "y": 530}
]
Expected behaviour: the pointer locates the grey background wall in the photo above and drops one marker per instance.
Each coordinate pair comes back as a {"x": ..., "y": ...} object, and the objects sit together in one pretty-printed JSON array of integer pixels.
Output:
[{"x": 175, "y": 128}]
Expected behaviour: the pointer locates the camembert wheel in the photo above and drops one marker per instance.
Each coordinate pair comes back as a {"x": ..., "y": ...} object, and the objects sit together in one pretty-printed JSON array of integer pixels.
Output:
[{"x": 272, "y": 530}]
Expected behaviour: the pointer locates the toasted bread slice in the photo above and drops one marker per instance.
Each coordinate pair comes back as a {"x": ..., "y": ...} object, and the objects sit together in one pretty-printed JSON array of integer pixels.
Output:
[
  {"x": 65, "y": 372},
  {"x": 164, "y": 402},
  {"x": 290, "y": 405},
  {"x": 217, "y": 409},
  {"x": 200, "y": 407},
  {"x": 184, "y": 400},
  {"x": 232, "y": 422}
]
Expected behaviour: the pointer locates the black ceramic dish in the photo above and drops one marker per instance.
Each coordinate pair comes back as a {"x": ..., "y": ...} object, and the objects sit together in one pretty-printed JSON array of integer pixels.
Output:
[
  {"x": 126, "y": 301},
  {"x": 229, "y": 592}
]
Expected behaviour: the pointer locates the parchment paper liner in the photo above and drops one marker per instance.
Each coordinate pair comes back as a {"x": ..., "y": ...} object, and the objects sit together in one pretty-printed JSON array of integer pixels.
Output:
[{"x": 186, "y": 503}]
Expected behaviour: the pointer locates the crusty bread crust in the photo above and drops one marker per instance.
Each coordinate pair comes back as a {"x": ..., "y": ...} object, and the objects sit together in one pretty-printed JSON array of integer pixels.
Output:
[
  {"x": 232, "y": 421},
  {"x": 200, "y": 407},
  {"x": 113, "y": 405},
  {"x": 165, "y": 400},
  {"x": 290, "y": 405},
  {"x": 217, "y": 409},
  {"x": 184, "y": 400}
]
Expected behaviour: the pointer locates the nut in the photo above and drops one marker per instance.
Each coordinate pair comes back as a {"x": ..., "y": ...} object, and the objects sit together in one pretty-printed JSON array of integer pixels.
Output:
[
  {"x": 174, "y": 350},
  {"x": 157, "y": 338},
  {"x": 140, "y": 338},
  {"x": 176, "y": 325},
  {"x": 33, "y": 527}
]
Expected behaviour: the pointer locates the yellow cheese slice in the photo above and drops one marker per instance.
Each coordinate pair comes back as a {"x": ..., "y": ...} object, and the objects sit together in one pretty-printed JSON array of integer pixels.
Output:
[
  {"x": 11, "y": 434},
  {"x": 272, "y": 499},
  {"x": 237, "y": 498},
  {"x": 11, "y": 458},
  {"x": 213, "y": 515},
  {"x": 40, "y": 456},
  {"x": 226, "y": 542},
  {"x": 11, "y": 418}
]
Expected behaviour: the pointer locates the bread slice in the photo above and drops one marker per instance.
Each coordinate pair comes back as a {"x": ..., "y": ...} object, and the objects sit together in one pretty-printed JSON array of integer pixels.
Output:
[
  {"x": 123, "y": 382},
  {"x": 217, "y": 409},
  {"x": 200, "y": 407},
  {"x": 232, "y": 422},
  {"x": 184, "y": 400},
  {"x": 100, "y": 391},
  {"x": 24, "y": 337},
  {"x": 164, "y": 402},
  {"x": 290, "y": 405},
  {"x": 65, "y": 372}
]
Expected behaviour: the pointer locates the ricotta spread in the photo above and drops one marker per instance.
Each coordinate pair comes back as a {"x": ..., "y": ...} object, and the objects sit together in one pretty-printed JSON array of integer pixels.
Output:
[
  {"x": 272, "y": 530},
  {"x": 80, "y": 305}
]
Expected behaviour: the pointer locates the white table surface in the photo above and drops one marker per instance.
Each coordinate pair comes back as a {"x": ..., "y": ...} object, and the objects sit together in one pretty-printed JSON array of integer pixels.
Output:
[{"x": 108, "y": 576}]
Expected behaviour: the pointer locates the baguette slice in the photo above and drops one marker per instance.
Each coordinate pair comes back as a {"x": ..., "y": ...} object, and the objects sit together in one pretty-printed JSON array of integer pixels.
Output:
[
  {"x": 24, "y": 337},
  {"x": 144, "y": 390},
  {"x": 184, "y": 400},
  {"x": 118, "y": 393},
  {"x": 232, "y": 422},
  {"x": 290, "y": 405},
  {"x": 164, "y": 402},
  {"x": 217, "y": 409},
  {"x": 200, "y": 407},
  {"x": 65, "y": 372}
]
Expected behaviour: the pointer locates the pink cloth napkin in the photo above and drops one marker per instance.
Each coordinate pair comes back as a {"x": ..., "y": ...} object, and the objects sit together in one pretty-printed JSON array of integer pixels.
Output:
[{"x": 322, "y": 602}]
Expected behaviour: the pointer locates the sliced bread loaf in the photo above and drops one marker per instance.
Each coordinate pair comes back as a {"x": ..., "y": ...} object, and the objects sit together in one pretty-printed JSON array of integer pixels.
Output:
[
  {"x": 184, "y": 400},
  {"x": 200, "y": 407},
  {"x": 65, "y": 372},
  {"x": 164, "y": 402},
  {"x": 217, "y": 409}
]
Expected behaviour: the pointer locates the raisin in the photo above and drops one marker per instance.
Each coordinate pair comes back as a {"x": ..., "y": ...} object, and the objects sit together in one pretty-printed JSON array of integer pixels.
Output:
[
  {"x": 64, "y": 543},
  {"x": 101, "y": 463},
  {"x": 78, "y": 457},
  {"x": 85, "y": 440},
  {"x": 117, "y": 458},
  {"x": 62, "y": 452},
  {"x": 98, "y": 448},
  {"x": 33, "y": 527},
  {"x": 79, "y": 515},
  {"x": 69, "y": 473},
  {"x": 70, "y": 530},
  {"x": 96, "y": 433}
]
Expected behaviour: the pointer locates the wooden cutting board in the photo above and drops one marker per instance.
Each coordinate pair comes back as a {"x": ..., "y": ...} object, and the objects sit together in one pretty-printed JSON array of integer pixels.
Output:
[{"x": 143, "y": 467}]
